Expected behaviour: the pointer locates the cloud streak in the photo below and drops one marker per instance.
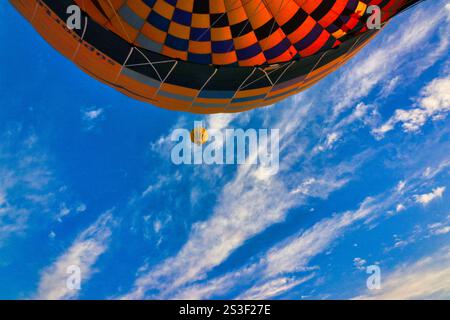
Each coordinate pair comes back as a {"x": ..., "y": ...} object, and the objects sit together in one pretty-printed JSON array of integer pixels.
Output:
[
  {"x": 246, "y": 206},
  {"x": 382, "y": 63},
  {"x": 83, "y": 253},
  {"x": 426, "y": 198},
  {"x": 427, "y": 278}
]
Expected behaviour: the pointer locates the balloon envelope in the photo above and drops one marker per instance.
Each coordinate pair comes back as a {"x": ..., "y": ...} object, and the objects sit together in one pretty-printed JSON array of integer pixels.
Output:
[{"x": 207, "y": 56}]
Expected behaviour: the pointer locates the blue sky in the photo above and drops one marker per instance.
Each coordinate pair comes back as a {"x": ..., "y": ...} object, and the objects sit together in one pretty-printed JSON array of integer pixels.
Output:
[{"x": 86, "y": 179}]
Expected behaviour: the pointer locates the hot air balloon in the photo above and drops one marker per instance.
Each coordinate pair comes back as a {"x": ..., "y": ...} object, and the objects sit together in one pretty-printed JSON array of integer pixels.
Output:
[
  {"x": 199, "y": 135},
  {"x": 208, "y": 56}
]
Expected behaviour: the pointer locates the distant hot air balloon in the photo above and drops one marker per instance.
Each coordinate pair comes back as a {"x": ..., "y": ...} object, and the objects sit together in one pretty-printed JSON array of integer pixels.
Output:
[
  {"x": 199, "y": 135},
  {"x": 208, "y": 56}
]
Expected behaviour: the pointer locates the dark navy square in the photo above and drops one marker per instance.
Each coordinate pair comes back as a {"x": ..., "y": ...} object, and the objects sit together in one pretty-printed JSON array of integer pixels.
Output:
[
  {"x": 182, "y": 17},
  {"x": 150, "y": 3},
  {"x": 200, "y": 34},
  {"x": 222, "y": 46},
  {"x": 278, "y": 50},
  {"x": 158, "y": 21},
  {"x": 177, "y": 43},
  {"x": 249, "y": 52},
  {"x": 172, "y": 2},
  {"x": 200, "y": 58}
]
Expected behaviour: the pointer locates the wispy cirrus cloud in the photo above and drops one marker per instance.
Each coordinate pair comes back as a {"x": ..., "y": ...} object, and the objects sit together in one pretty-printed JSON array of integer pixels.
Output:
[
  {"x": 246, "y": 206},
  {"x": 440, "y": 228},
  {"x": 426, "y": 278},
  {"x": 83, "y": 253},
  {"x": 382, "y": 63},
  {"x": 434, "y": 104},
  {"x": 426, "y": 198},
  {"x": 273, "y": 288},
  {"x": 26, "y": 182},
  {"x": 30, "y": 188},
  {"x": 288, "y": 261},
  {"x": 286, "y": 265},
  {"x": 91, "y": 117}
]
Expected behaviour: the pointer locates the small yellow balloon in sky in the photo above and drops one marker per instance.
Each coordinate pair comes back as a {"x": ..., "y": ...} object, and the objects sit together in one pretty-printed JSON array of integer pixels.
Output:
[{"x": 199, "y": 135}]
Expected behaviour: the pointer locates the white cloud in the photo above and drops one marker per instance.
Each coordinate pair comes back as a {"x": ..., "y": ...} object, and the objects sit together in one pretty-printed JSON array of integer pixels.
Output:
[
  {"x": 440, "y": 228},
  {"x": 63, "y": 211},
  {"x": 427, "y": 278},
  {"x": 91, "y": 117},
  {"x": 81, "y": 208},
  {"x": 420, "y": 233},
  {"x": 31, "y": 194},
  {"x": 2, "y": 198},
  {"x": 83, "y": 253},
  {"x": 246, "y": 206},
  {"x": 390, "y": 86},
  {"x": 401, "y": 186},
  {"x": 245, "y": 209},
  {"x": 216, "y": 286},
  {"x": 272, "y": 272},
  {"x": 381, "y": 63},
  {"x": 433, "y": 104},
  {"x": 435, "y": 51},
  {"x": 161, "y": 182},
  {"x": 400, "y": 207},
  {"x": 431, "y": 172},
  {"x": 436, "y": 96},
  {"x": 212, "y": 241},
  {"x": 273, "y": 288},
  {"x": 441, "y": 231},
  {"x": 157, "y": 225},
  {"x": 426, "y": 198},
  {"x": 26, "y": 183},
  {"x": 362, "y": 112},
  {"x": 321, "y": 184},
  {"x": 359, "y": 263},
  {"x": 294, "y": 254},
  {"x": 330, "y": 140},
  {"x": 220, "y": 121},
  {"x": 93, "y": 114}
]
